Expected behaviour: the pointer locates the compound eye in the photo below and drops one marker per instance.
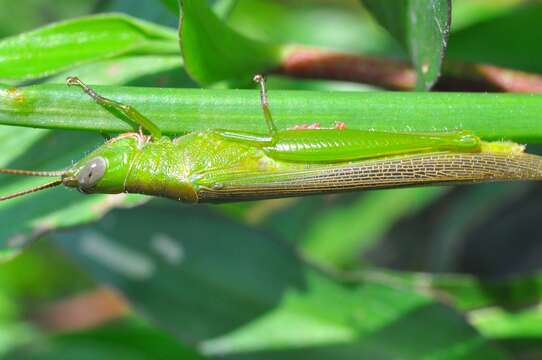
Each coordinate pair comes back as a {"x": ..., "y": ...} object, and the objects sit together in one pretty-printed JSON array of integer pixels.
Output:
[{"x": 91, "y": 173}]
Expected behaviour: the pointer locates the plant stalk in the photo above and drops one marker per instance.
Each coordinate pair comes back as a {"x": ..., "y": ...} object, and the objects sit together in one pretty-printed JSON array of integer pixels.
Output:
[{"x": 516, "y": 117}]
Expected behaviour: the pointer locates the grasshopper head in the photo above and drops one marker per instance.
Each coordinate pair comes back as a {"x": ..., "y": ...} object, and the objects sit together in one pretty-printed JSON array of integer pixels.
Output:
[
  {"x": 105, "y": 169},
  {"x": 102, "y": 171}
]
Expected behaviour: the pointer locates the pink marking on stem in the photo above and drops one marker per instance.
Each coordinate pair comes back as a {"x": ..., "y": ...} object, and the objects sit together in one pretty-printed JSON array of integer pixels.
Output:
[
  {"x": 340, "y": 125},
  {"x": 323, "y": 64},
  {"x": 313, "y": 126}
]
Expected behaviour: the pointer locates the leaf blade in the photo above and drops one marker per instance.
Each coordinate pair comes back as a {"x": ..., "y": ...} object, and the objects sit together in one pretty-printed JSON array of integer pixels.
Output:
[
  {"x": 244, "y": 286},
  {"x": 214, "y": 52},
  {"x": 50, "y": 49},
  {"x": 423, "y": 27}
]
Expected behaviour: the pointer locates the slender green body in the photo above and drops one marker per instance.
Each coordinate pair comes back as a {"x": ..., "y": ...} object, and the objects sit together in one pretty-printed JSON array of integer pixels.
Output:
[{"x": 211, "y": 167}]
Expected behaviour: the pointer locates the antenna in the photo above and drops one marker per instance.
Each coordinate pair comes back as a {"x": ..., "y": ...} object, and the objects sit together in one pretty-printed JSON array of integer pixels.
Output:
[
  {"x": 32, "y": 173},
  {"x": 32, "y": 190}
]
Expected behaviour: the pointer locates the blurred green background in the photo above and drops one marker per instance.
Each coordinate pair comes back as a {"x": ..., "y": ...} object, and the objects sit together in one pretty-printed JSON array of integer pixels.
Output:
[{"x": 421, "y": 273}]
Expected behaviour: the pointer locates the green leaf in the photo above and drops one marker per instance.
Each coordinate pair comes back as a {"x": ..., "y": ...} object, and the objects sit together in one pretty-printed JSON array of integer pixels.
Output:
[
  {"x": 499, "y": 323},
  {"x": 62, "y": 45},
  {"x": 422, "y": 26},
  {"x": 215, "y": 274},
  {"x": 511, "y": 40},
  {"x": 172, "y": 5},
  {"x": 224, "y": 8},
  {"x": 221, "y": 7},
  {"x": 518, "y": 332},
  {"x": 12, "y": 331},
  {"x": 40, "y": 275},
  {"x": 380, "y": 210},
  {"x": 214, "y": 52},
  {"x": 467, "y": 12},
  {"x": 130, "y": 339},
  {"x": 19, "y": 16},
  {"x": 491, "y": 116},
  {"x": 366, "y": 321},
  {"x": 237, "y": 291},
  {"x": 506, "y": 311},
  {"x": 464, "y": 292},
  {"x": 342, "y": 25},
  {"x": 13, "y": 334}
]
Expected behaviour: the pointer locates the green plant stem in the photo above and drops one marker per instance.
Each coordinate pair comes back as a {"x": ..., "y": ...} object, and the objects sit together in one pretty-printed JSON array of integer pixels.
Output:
[{"x": 516, "y": 117}]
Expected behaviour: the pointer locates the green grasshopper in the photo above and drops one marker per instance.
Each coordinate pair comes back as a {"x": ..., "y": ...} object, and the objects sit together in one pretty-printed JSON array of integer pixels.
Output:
[{"x": 223, "y": 165}]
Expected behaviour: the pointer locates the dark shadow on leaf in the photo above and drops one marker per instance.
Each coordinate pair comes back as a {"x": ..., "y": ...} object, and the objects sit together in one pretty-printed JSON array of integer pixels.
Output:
[{"x": 193, "y": 271}]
